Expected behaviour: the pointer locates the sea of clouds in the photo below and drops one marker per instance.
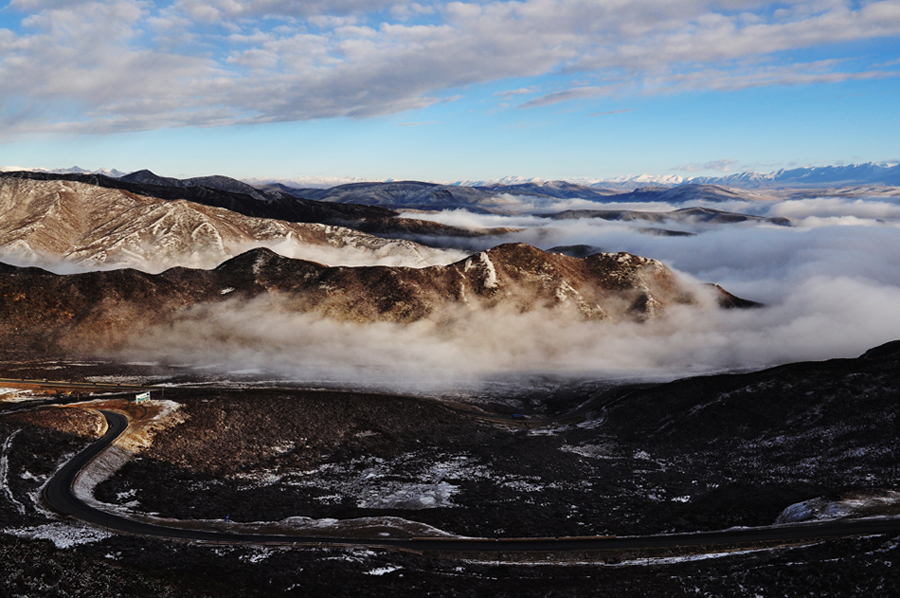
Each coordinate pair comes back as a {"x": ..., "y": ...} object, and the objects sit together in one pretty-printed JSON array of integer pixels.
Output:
[{"x": 830, "y": 282}]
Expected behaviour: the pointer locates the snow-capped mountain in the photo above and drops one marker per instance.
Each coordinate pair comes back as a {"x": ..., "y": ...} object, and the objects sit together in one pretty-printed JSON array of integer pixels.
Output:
[
  {"x": 813, "y": 176},
  {"x": 108, "y": 172},
  {"x": 644, "y": 179},
  {"x": 60, "y": 221},
  {"x": 869, "y": 173}
]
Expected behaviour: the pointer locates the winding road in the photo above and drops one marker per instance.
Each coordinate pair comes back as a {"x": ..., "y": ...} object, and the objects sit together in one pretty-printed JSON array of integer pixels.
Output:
[{"x": 60, "y": 495}]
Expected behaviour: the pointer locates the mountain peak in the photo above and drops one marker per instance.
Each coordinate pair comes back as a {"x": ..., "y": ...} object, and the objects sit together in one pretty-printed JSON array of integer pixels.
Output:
[{"x": 146, "y": 177}]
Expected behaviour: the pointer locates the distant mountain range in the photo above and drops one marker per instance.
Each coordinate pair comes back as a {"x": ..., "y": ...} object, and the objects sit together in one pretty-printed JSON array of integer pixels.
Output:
[
  {"x": 57, "y": 220},
  {"x": 521, "y": 198},
  {"x": 869, "y": 173},
  {"x": 366, "y": 208},
  {"x": 240, "y": 198},
  {"x": 822, "y": 176},
  {"x": 683, "y": 215},
  {"x": 813, "y": 176},
  {"x": 375, "y": 207}
]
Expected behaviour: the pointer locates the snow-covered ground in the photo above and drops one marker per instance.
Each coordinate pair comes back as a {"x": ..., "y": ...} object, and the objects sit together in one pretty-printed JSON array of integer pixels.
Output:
[
  {"x": 15, "y": 395},
  {"x": 855, "y": 505},
  {"x": 64, "y": 534}
]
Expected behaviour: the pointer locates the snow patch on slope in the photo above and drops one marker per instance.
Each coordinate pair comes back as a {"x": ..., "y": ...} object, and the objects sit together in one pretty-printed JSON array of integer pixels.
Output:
[
  {"x": 480, "y": 262},
  {"x": 4, "y": 471},
  {"x": 855, "y": 505},
  {"x": 66, "y": 226},
  {"x": 63, "y": 535}
]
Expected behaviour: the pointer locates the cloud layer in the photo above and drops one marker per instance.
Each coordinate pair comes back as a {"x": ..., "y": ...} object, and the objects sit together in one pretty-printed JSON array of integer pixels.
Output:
[
  {"x": 832, "y": 290},
  {"x": 113, "y": 65}
]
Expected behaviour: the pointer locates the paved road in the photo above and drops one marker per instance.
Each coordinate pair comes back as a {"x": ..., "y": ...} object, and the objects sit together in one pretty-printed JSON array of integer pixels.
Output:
[
  {"x": 85, "y": 385},
  {"x": 58, "y": 493}
]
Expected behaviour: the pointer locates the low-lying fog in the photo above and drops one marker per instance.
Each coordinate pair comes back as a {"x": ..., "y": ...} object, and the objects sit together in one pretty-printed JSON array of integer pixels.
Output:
[{"x": 831, "y": 282}]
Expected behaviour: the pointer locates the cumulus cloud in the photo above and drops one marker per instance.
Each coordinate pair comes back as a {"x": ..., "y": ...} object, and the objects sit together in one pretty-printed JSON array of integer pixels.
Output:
[
  {"x": 214, "y": 10},
  {"x": 106, "y": 65}
]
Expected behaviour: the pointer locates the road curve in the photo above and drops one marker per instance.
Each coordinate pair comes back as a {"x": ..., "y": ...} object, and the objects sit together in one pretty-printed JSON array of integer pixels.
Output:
[{"x": 59, "y": 494}]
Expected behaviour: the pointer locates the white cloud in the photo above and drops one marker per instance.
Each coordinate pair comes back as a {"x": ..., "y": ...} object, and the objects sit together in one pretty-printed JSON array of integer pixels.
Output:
[
  {"x": 722, "y": 165},
  {"x": 214, "y": 10},
  {"x": 825, "y": 207},
  {"x": 517, "y": 92},
  {"x": 831, "y": 238},
  {"x": 576, "y": 93},
  {"x": 100, "y": 65},
  {"x": 831, "y": 291},
  {"x": 820, "y": 317}
]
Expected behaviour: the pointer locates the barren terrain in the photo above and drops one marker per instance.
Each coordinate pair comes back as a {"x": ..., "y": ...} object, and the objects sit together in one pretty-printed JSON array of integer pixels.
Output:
[{"x": 702, "y": 453}]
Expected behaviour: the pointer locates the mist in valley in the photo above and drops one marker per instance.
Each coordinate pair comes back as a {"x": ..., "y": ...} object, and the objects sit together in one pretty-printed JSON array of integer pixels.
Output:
[{"x": 830, "y": 283}]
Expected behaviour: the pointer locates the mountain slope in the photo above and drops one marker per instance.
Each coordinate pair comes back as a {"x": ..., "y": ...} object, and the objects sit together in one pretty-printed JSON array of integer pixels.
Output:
[
  {"x": 103, "y": 308},
  {"x": 406, "y": 195},
  {"x": 697, "y": 215},
  {"x": 228, "y": 193},
  {"x": 93, "y": 227},
  {"x": 680, "y": 194},
  {"x": 413, "y": 195},
  {"x": 288, "y": 208},
  {"x": 558, "y": 189}
]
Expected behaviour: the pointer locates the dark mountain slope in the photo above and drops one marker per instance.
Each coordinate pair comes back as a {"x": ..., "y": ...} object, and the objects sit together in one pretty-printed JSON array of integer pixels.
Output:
[
  {"x": 679, "y": 194},
  {"x": 558, "y": 189},
  {"x": 224, "y": 192},
  {"x": 98, "y": 308},
  {"x": 399, "y": 195},
  {"x": 275, "y": 205},
  {"x": 686, "y": 215}
]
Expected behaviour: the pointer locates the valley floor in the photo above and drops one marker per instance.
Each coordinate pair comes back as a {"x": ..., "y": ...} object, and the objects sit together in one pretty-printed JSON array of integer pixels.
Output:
[{"x": 704, "y": 453}]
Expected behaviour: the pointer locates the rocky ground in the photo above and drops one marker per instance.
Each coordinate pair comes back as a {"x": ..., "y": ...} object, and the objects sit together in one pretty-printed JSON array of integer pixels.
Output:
[
  {"x": 704, "y": 453},
  {"x": 140, "y": 567}
]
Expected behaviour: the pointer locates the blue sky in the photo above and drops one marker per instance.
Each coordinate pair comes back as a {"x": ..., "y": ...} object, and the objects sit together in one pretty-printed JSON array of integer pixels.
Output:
[{"x": 448, "y": 90}]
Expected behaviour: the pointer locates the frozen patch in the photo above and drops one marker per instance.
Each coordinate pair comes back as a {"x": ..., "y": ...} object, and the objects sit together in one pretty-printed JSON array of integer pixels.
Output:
[
  {"x": 63, "y": 535},
  {"x": 383, "y": 570}
]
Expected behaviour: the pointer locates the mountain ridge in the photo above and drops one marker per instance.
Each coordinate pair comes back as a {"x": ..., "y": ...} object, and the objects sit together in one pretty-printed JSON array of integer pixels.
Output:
[
  {"x": 883, "y": 173},
  {"x": 105, "y": 307},
  {"x": 98, "y": 227},
  {"x": 372, "y": 220}
]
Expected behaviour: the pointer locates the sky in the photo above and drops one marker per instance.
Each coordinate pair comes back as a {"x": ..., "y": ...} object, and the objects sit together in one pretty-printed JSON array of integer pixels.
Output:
[{"x": 448, "y": 91}]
